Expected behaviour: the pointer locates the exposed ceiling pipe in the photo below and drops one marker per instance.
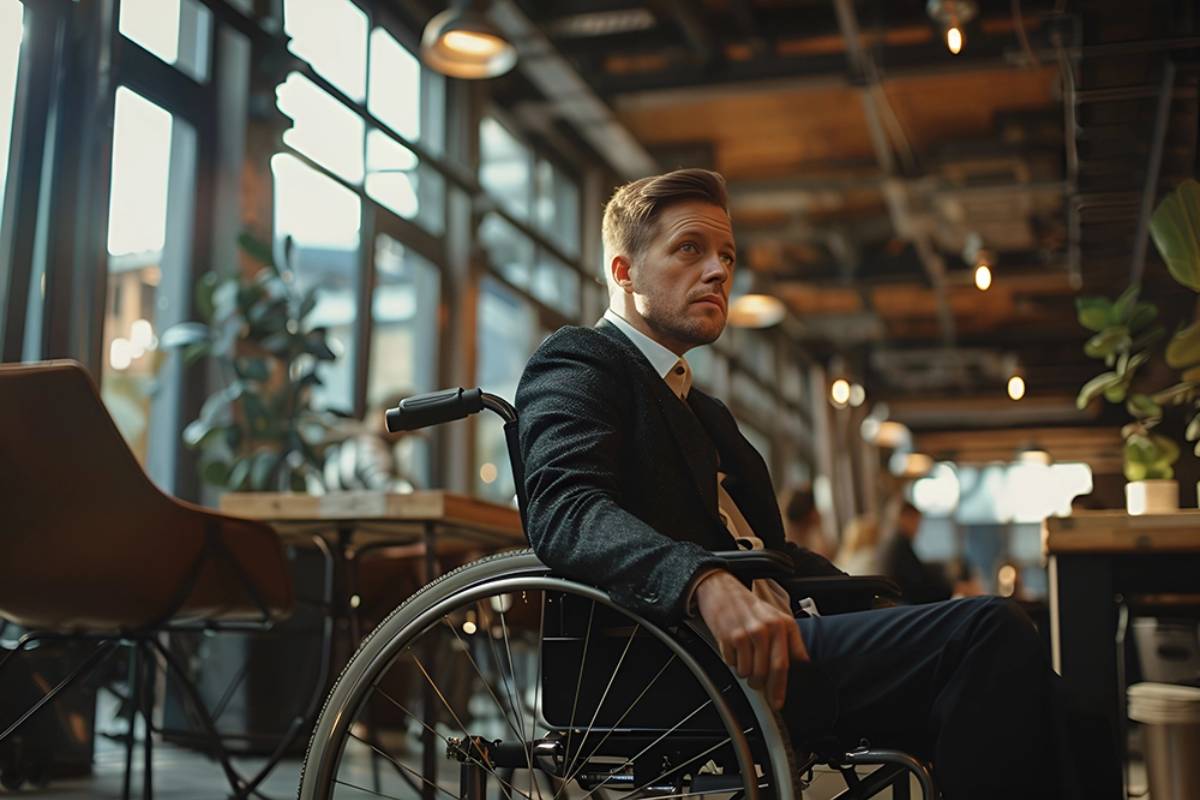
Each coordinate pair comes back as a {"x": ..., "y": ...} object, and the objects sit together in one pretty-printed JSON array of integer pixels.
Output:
[{"x": 574, "y": 100}]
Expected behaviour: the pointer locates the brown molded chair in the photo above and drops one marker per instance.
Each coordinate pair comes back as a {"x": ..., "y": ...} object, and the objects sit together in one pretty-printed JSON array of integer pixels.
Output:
[{"x": 91, "y": 549}]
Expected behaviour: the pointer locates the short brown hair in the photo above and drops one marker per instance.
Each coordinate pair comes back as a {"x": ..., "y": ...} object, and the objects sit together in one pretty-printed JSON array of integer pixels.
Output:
[{"x": 631, "y": 214}]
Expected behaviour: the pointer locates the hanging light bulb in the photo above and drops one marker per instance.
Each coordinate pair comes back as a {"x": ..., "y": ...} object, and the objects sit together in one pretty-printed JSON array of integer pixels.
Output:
[
  {"x": 839, "y": 392},
  {"x": 954, "y": 39},
  {"x": 983, "y": 277},
  {"x": 952, "y": 16},
  {"x": 1016, "y": 387}
]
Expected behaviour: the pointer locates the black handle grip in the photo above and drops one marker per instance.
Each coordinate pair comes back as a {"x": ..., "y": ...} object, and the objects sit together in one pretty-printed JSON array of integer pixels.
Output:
[{"x": 434, "y": 408}]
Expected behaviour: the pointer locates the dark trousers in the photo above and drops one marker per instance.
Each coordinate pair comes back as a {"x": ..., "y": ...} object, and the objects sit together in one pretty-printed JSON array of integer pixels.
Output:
[{"x": 965, "y": 684}]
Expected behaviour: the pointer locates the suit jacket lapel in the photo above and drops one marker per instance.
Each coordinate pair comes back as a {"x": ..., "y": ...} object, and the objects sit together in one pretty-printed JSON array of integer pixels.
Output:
[
  {"x": 699, "y": 453},
  {"x": 747, "y": 480}
]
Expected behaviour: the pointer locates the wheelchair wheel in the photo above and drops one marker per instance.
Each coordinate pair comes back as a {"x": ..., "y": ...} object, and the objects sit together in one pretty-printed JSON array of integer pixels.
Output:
[{"x": 501, "y": 680}]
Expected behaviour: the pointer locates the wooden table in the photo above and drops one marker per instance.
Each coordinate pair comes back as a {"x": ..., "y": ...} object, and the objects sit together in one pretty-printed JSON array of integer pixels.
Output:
[
  {"x": 1100, "y": 562},
  {"x": 441, "y": 523}
]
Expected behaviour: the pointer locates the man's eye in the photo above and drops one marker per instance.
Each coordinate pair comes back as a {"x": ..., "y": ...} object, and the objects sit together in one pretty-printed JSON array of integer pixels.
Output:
[
  {"x": 727, "y": 260},
  {"x": 689, "y": 247}
]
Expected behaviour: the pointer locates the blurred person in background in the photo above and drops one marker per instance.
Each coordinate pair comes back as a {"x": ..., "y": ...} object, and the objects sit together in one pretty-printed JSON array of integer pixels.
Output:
[
  {"x": 802, "y": 521},
  {"x": 920, "y": 582},
  {"x": 859, "y": 553}
]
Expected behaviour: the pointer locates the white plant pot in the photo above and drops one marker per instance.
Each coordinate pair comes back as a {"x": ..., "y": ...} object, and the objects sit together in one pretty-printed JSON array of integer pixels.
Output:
[{"x": 1151, "y": 497}]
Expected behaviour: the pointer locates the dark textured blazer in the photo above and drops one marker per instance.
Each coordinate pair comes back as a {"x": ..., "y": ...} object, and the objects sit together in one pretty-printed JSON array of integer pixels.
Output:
[{"x": 621, "y": 475}]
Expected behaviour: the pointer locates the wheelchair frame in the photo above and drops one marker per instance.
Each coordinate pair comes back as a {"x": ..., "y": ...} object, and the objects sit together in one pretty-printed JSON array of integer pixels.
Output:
[{"x": 517, "y": 574}]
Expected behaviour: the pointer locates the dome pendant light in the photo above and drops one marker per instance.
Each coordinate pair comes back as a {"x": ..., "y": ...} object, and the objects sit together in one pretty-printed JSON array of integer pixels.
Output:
[{"x": 462, "y": 43}]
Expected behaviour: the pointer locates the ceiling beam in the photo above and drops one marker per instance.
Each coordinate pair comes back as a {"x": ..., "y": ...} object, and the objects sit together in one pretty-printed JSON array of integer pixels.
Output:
[{"x": 888, "y": 144}]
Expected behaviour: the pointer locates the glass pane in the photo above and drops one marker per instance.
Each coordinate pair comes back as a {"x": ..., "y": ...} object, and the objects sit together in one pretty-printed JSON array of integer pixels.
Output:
[
  {"x": 395, "y": 95},
  {"x": 177, "y": 31},
  {"x": 323, "y": 219},
  {"x": 332, "y": 36},
  {"x": 404, "y": 345},
  {"x": 509, "y": 251},
  {"x": 326, "y": 131},
  {"x": 504, "y": 167},
  {"x": 558, "y": 207},
  {"x": 557, "y": 285},
  {"x": 396, "y": 179},
  {"x": 11, "y": 30},
  {"x": 149, "y": 242},
  {"x": 506, "y": 335}
]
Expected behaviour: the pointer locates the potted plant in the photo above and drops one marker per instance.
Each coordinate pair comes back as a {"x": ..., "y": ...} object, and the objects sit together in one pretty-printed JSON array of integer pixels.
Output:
[
  {"x": 259, "y": 431},
  {"x": 1175, "y": 230},
  {"x": 1123, "y": 333}
]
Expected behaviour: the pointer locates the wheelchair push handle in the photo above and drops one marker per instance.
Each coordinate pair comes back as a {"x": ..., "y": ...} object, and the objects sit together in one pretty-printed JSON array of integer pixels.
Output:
[{"x": 434, "y": 408}]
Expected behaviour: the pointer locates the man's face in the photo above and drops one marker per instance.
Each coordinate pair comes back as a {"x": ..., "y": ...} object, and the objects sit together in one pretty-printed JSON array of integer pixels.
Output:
[{"x": 681, "y": 280}]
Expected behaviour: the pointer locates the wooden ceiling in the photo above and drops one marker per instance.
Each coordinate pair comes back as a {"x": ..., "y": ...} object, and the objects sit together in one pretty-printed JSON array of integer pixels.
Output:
[{"x": 862, "y": 156}]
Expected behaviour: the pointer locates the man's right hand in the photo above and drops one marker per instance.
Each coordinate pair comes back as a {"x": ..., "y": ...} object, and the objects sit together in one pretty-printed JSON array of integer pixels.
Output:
[{"x": 756, "y": 638}]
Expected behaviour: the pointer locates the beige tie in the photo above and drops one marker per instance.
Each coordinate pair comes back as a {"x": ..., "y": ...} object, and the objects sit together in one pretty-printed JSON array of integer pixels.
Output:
[{"x": 680, "y": 381}]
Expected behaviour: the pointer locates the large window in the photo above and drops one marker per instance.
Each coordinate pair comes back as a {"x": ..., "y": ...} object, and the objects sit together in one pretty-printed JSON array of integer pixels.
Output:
[
  {"x": 507, "y": 335},
  {"x": 321, "y": 219},
  {"x": 177, "y": 31},
  {"x": 404, "y": 342},
  {"x": 10, "y": 55},
  {"x": 149, "y": 245},
  {"x": 537, "y": 194}
]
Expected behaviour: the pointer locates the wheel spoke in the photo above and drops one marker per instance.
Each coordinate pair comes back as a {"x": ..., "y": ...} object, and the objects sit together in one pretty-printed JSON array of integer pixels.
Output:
[
  {"x": 652, "y": 781},
  {"x": 587, "y": 640},
  {"x": 611, "y": 679},
  {"x": 500, "y": 706},
  {"x": 519, "y": 697},
  {"x": 401, "y": 765},
  {"x": 434, "y": 731},
  {"x": 571, "y": 775}
]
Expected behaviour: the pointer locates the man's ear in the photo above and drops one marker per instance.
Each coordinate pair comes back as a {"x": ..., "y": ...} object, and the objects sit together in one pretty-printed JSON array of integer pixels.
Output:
[{"x": 619, "y": 269}]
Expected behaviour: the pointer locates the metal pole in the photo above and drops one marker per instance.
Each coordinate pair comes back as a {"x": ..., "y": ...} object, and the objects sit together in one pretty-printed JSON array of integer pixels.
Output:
[{"x": 1150, "y": 190}]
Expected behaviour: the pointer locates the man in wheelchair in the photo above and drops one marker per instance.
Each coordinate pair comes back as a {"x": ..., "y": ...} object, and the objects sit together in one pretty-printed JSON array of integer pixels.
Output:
[{"x": 634, "y": 478}]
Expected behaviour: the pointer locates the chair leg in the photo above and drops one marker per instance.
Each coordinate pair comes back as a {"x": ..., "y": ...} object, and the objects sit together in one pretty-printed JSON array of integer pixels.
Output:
[
  {"x": 135, "y": 703},
  {"x": 91, "y": 662},
  {"x": 149, "y": 674}
]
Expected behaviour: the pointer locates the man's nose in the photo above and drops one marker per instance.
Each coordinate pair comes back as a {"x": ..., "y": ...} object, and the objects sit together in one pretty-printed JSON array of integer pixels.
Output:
[{"x": 715, "y": 270}]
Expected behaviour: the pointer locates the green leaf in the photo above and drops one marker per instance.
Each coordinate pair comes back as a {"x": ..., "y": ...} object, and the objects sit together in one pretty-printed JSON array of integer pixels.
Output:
[
  {"x": 184, "y": 334},
  {"x": 1123, "y": 306},
  {"x": 1143, "y": 314},
  {"x": 1193, "y": 429},
  {"x": 196, "y": 431},
  {"x": 197, "y": 351},
  {"x": 257, "y": 415},
  {"x": 262, "y": 469},
  {"x": 254, "y": 369},
  {"x": 1108, "y": 342},
  {"x": 215, "y": 473},
  {"x": 1175, "y": 229},
  {"x": 1184, "y": 348},
  {"x": 1175, "y": 394},
  {"x": 239, "y": 472},
  {"x": 1135, "y": 471},
  {"x": 1141, "y": 406},
  {"x": 1093, "y": 388},
  {"x": 1116, "y": 392},
  {"x": 225, "y": 299},
  {"x": 1166, "y": 450},
  {"x": 307, "y": 304},
  {"x": 1095, "y": 313},
  {"x": 259, "y": 250},
  {"x": 204, "y": 294}
]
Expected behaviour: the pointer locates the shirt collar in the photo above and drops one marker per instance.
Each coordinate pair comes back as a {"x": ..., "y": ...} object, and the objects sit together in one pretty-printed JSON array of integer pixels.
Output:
[{"x": 659, "y": 356}]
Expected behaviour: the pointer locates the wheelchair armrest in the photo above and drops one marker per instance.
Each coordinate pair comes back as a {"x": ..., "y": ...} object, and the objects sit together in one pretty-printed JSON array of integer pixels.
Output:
[
  {"x": 748, "y": 565},
  {"x": 838, "y": 594}
]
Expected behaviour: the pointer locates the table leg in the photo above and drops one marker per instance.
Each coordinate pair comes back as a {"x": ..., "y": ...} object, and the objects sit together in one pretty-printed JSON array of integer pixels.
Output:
[{"x": 1083, "y": 624}]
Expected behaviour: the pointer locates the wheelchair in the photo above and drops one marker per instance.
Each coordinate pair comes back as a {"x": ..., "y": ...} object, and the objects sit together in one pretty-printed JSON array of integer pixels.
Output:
[{"x": 519, "y": 684}]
